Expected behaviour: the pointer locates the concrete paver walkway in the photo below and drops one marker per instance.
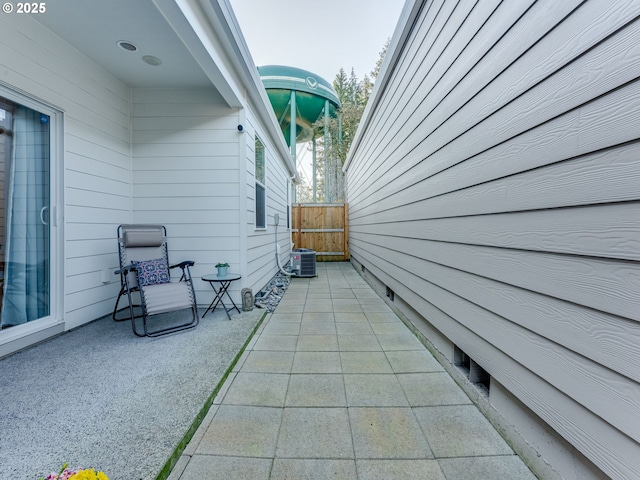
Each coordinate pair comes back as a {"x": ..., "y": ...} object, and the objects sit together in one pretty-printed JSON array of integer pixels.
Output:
[{"x": 334, "y": 385}]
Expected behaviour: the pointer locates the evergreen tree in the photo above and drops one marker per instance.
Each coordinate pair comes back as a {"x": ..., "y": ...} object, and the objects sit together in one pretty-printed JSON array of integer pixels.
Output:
[
  {"x": 354, "y": 95},
  {"x": 341, "y": 84},
  {"x": 376, "y": 71}
]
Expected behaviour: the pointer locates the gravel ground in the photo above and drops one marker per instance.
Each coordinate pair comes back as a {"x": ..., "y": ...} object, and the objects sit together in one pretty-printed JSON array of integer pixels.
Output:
[
  {"x": 99, "y": 397},
  {"x": 269, "y": 297}
]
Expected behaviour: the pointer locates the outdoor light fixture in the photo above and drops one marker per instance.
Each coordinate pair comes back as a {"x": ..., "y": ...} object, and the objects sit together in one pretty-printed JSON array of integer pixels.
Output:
[
  {"x": 130, "y": 47},
  {"x": 151, "y": 60}
]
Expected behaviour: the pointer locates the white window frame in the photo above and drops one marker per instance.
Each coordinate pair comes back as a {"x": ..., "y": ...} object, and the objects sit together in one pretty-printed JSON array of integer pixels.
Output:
[
  {"x": 13, "y": 339},
  {"x": 289, "y": 187},
  {"x": 260, "y": 223}
]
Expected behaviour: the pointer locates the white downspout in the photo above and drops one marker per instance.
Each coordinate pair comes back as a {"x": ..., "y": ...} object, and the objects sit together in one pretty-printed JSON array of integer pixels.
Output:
[{"x": 276, "y": 221}]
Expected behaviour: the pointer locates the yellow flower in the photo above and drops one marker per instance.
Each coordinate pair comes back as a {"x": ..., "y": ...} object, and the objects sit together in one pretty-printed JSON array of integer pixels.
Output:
[{"x": 88, "y": 474}]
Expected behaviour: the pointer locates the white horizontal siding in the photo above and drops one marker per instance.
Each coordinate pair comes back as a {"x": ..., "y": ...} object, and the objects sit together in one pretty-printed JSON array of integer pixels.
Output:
[
  {"x": 495, "y": 191},
  {"x": 95, "y": 163},
  {"x": 261, "y": 249},
  {"x": 186, "y": 176}
]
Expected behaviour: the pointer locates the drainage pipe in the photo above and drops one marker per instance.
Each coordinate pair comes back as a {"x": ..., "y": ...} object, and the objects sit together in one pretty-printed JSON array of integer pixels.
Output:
[{"x": 276, "y": 220}]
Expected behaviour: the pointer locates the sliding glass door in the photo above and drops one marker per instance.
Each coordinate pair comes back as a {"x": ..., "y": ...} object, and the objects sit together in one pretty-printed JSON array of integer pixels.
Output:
[{"x": 25, "y": 235}]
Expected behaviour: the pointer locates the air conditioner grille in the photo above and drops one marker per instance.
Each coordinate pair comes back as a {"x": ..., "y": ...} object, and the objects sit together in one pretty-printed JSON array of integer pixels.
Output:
[{"x": 303, "y": 261}]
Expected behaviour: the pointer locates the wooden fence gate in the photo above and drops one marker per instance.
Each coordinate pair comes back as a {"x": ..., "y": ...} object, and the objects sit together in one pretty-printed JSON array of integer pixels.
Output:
[{"x": 323, "y": 227}]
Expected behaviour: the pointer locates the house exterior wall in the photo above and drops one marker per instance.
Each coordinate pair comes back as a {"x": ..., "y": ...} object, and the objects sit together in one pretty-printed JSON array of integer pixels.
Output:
[
  {"x": 186, "y": 171},
  {"x": 493, "y": 187},
  {"x": 223, "y": 40},
  {"x": 261, "y": 260},
  {"x": 93, "y": 167},
  {"x": 193, "y": 171},
  {"x": 170, "y": 155}
]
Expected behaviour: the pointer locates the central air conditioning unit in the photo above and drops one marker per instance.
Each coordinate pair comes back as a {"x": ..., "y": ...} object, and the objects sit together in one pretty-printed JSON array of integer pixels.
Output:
[{"x": 303, "y": 262}]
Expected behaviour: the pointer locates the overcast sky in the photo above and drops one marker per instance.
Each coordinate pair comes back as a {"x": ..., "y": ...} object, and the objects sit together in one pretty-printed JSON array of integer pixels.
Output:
[{"x": 319, "y": 36}]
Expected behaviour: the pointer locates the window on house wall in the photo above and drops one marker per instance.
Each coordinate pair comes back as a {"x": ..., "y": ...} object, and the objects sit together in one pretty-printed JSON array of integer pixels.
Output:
[
  {"x": 261, "y": 190},
  {"x": 289, "y": 186}
]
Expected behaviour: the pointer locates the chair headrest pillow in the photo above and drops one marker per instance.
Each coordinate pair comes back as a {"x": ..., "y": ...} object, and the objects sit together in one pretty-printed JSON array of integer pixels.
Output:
[{"x": 143, "y": 237}]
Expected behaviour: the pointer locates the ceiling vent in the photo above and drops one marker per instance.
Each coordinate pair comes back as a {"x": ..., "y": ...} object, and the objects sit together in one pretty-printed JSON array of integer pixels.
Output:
[{"x": 128, "y": 46}]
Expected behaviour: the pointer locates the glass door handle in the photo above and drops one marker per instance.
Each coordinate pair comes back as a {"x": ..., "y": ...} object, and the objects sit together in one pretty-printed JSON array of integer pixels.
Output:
[{"x": 42, "y": 210}]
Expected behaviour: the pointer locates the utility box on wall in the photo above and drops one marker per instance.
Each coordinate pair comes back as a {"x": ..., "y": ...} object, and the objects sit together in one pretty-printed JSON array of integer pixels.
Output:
[{"x": 303, "y": 262}]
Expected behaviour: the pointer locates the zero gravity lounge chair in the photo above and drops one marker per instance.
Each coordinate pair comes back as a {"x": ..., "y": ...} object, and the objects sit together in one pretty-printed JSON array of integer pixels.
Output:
[{"x": 144, "y": 268}]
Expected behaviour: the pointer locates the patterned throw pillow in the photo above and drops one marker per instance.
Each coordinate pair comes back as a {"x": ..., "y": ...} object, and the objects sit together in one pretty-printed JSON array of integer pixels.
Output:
[{"x": 152, "y": 272}]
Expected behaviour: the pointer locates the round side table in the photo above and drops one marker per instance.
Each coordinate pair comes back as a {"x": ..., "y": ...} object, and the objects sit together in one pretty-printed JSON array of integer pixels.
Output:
[{"x": 223, "y": 283}]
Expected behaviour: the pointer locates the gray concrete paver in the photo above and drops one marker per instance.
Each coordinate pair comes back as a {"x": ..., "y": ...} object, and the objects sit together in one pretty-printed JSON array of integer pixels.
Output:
[
  {"x": 318, "y": 328},
  {"x": 413, "y": 361},
  {"x": 374, "y": 390},
  {"x": 268, "y": 362},
  {"x": 399, "y": 341},
  {"x": 353, "y": 328},
  {"x": 336, "y": 386},
  {"x": 460, "y": 431},
  {"x": 313, "y": 469},
  {"x": 317, "y": 343},
  {"x": 316, "y": 362},
  {"x": 431, "y": 389},
  {"x": 342, "y": 317},
  {"x": 365, "y": 362},
  {"x": 315, "y": 433},
  {"x": 259, "y": 389},
  {"x": 359, "y": 343},
  {"x": 285, "y": 317},
  {"x": 242, "y": 431},
  {"x": 317, "y": 316},
  {"x": 501, "y": 467},
  {"x": 316, "y": 390},
  {"x": 276, "y": 342},
  {"x": 400, "y": 470},
  {"x": 282, "y": 328},
  {"x": 212, "y": 467},
  {"x": 387, "y": 433}
]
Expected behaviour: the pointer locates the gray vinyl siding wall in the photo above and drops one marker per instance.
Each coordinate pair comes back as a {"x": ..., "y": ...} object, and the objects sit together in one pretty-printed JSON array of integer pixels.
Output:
[{"x": 494, "y": 188}]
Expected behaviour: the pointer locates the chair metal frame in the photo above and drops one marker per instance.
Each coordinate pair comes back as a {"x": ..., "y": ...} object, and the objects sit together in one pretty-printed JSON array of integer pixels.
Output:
[{"x": 129, "y": 280}]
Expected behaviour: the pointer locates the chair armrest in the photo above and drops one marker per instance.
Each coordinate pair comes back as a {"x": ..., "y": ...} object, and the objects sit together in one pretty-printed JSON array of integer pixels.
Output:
[
  {"x": 189, "y": 263},
  {"x": 124, "y": 270}
]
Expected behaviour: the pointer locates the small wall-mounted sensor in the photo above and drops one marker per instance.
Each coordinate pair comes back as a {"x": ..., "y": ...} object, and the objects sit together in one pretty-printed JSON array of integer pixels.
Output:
[{"x": 240, "y": 128}]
